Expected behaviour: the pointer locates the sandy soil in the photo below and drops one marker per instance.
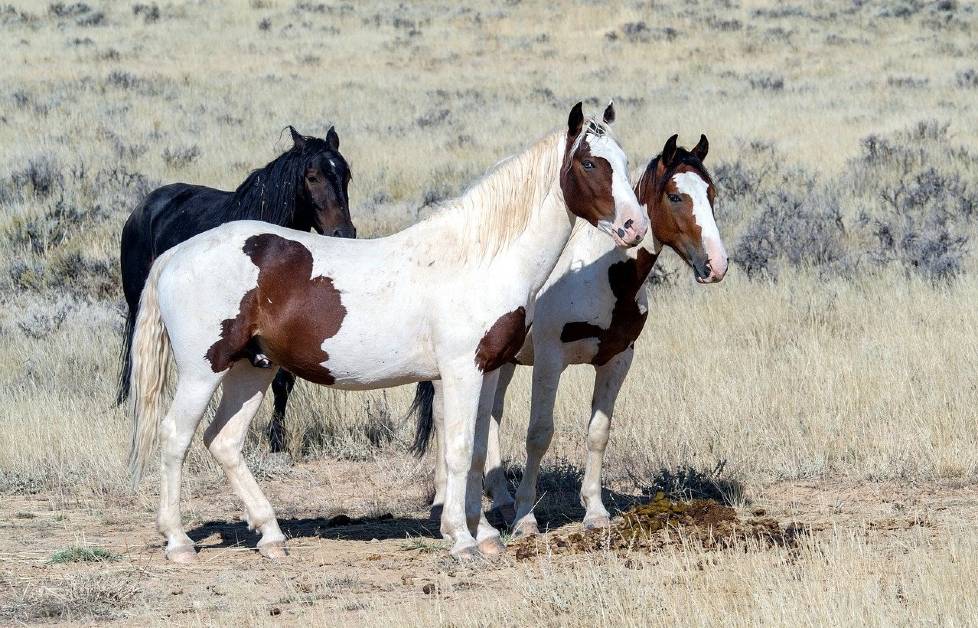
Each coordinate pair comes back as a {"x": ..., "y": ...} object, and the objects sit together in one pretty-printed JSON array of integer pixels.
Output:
[{"x": 341, "y": 548}]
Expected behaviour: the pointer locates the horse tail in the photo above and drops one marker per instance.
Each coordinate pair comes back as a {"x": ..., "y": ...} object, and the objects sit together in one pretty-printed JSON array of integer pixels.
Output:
[
  {"x": 424, "y": 396},
  {"x": 125, "y": 361},
  {"x": 149, "y": 356}
]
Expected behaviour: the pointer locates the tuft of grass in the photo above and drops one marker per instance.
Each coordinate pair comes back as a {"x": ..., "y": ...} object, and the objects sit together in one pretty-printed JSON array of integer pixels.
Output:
[
  {"x": 422, "y": 545},
  {"x": 78, "y": 554}
]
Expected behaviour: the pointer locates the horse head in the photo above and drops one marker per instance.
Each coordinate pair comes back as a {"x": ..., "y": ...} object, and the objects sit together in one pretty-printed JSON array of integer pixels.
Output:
[
  {"x": 324, "y": 200},
  {"x": 594, "y": 179},
  {"x": 679, "y": 195}
]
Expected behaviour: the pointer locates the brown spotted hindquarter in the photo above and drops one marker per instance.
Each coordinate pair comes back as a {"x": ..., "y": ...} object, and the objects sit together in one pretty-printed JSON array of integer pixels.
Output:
[{"x": 286, "y": 316}]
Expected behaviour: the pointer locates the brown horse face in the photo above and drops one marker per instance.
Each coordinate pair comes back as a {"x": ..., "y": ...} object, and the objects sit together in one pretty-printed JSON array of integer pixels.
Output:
[
  {"x": 594, "y": 180},
  {"x": 682, "y": 212},
  {"x": 326, "y": 182}
]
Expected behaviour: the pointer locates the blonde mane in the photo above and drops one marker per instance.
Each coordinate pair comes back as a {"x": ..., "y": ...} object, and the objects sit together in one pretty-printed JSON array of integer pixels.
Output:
[{"x": 496, "y": 209}]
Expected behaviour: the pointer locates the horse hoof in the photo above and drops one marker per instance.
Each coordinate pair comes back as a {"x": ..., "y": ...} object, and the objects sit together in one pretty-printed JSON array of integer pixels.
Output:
[
  {"x": 526, "y": 529},
  {"x": 274, "y": 550},
  {"x": 467, "y": 554},
  {"x": 595, "y": 523},
  {"x": 182, "y": 555},
  {"x": 507, "y": 512},
  {"x": 492, "y": 546}
]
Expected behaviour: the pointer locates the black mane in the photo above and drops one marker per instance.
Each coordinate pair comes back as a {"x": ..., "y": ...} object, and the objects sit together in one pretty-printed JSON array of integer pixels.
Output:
[{"x": 269, "y": 193}]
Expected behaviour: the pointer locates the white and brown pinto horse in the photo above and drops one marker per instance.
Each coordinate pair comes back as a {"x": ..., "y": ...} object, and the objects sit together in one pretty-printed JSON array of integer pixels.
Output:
[
  {"x": 449, "y": 298},
  {"x": 590, "y": 311}
]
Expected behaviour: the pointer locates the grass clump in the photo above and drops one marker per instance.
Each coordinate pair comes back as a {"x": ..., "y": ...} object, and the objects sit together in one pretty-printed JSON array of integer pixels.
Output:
[{"x": 78, "y": 554}]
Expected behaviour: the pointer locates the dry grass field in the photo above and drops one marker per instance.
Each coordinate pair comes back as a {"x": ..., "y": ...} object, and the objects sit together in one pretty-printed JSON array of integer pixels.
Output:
[{"x": 829, "y": 381}]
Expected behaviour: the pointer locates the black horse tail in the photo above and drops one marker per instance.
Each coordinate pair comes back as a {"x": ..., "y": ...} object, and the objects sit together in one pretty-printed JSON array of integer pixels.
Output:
[
  {"x": 424, "y": 397},
  {"x": 125, "y": 359}
]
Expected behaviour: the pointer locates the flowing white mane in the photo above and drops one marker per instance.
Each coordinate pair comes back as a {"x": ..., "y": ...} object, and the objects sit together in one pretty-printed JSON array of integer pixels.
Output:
[{"x": 495, "y": 210}]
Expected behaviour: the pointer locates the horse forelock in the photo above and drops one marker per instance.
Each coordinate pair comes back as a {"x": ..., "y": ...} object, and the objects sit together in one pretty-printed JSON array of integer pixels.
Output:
[
  {"x": 683, "y": 158},
  {"x": 591, "y": 127}
]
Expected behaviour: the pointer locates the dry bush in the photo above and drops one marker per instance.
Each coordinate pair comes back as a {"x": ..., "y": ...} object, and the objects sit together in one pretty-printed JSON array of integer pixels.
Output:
[{"x": 82, "y": 597}]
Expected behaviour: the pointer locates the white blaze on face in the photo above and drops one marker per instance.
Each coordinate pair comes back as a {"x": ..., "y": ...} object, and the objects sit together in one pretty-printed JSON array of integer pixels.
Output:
[
  {"x": 626, "y": 205},
  {"x": 695, "y": 187}
]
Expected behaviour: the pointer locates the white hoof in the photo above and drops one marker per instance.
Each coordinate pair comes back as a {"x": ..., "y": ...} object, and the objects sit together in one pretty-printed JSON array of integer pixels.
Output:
[
  {"x": 466, "y": 554},
  {"x": 182, "y": 554},
  {"x": 492, "y": 546},
  {"x": 274, "y": 550},
  {"x": 597, "y": 522}
]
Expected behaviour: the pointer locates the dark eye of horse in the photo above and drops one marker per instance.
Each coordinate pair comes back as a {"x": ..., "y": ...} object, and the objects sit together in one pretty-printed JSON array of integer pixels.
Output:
[
  {"x": 311, "y": 179},
  {"x": 588, "y": 164},
  {"x": 675, "y": 198}
]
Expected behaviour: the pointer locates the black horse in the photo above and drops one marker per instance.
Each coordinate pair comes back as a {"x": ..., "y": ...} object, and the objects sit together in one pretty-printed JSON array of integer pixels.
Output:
[{"x": 303, "y": 188}]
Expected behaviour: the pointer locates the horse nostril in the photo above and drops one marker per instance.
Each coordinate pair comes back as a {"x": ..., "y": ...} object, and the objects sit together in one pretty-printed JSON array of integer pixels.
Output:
[{"x": 629, "y": 223}]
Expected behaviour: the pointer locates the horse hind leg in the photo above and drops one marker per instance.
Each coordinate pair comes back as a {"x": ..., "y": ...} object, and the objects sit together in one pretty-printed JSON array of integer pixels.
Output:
[
  {"x": 177, "y": 430},
  {"x": 608, "y": 380},
  {"x": 243, "y": 391},
  {"x": 497, "y": 487},
  {"x": 282, "y": 387},
  {"x": 546, "y": 378}
]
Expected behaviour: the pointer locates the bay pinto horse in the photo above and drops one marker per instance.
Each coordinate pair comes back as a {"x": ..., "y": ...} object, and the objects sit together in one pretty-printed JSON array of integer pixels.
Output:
[
  {"x": 591, "y": 310},
  {"x": 304, "y": 188},
  {"x": 456, "y": 306}
]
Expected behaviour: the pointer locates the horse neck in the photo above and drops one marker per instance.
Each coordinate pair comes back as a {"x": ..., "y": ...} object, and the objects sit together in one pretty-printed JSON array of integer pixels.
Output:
[
  {"x": 515, "y": 217},
  {"x": 264, "y": 197},
  {"x": 647, "y": 181}
]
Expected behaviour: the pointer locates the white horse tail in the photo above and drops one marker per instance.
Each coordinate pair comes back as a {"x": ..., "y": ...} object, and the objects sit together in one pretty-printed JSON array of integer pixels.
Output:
[{"x": 150, "y": 354}]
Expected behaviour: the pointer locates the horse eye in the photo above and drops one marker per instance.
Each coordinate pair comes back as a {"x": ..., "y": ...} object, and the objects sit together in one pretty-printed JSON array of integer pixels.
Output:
[
  {"x": 311, "y": 179},
  {"x": 588, "y": 164},
  {"x": 675, "y": 198}
]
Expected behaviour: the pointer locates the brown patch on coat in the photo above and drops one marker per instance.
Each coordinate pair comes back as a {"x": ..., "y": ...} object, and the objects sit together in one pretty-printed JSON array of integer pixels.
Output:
[
  {"x": 587, "y": 193},
  {"x": 503, "y": 341},
  {"x": 287, "y": 315},
  {"x": 626, "y": 279}
]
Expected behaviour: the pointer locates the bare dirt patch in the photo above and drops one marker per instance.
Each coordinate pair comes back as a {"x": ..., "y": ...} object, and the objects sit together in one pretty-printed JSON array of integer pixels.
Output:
[{"x": 360, "y": 550}]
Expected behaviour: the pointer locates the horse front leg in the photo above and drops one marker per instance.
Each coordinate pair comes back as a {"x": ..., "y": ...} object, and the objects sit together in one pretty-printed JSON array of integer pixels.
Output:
[
  {"x": 465, "y": 436},
  {"x": 608, "y": 379}
]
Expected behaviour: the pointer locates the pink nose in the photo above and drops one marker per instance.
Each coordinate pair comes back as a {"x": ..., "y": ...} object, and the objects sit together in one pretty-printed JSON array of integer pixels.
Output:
[
  {"x": 632, "y": 233},
  {"x": 717, "y": 270}
]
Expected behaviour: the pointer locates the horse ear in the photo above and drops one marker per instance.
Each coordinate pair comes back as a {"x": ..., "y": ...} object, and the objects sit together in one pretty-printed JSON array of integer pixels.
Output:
[
  {"x": 609, "y": 112},
  {"x": 669, "y": 151},
  {"x": 701, "y": 149},
  {"x": 333, "y": 139},
  {"x": 297, "y": 140},
  {"x": 575, "y": 121}
]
